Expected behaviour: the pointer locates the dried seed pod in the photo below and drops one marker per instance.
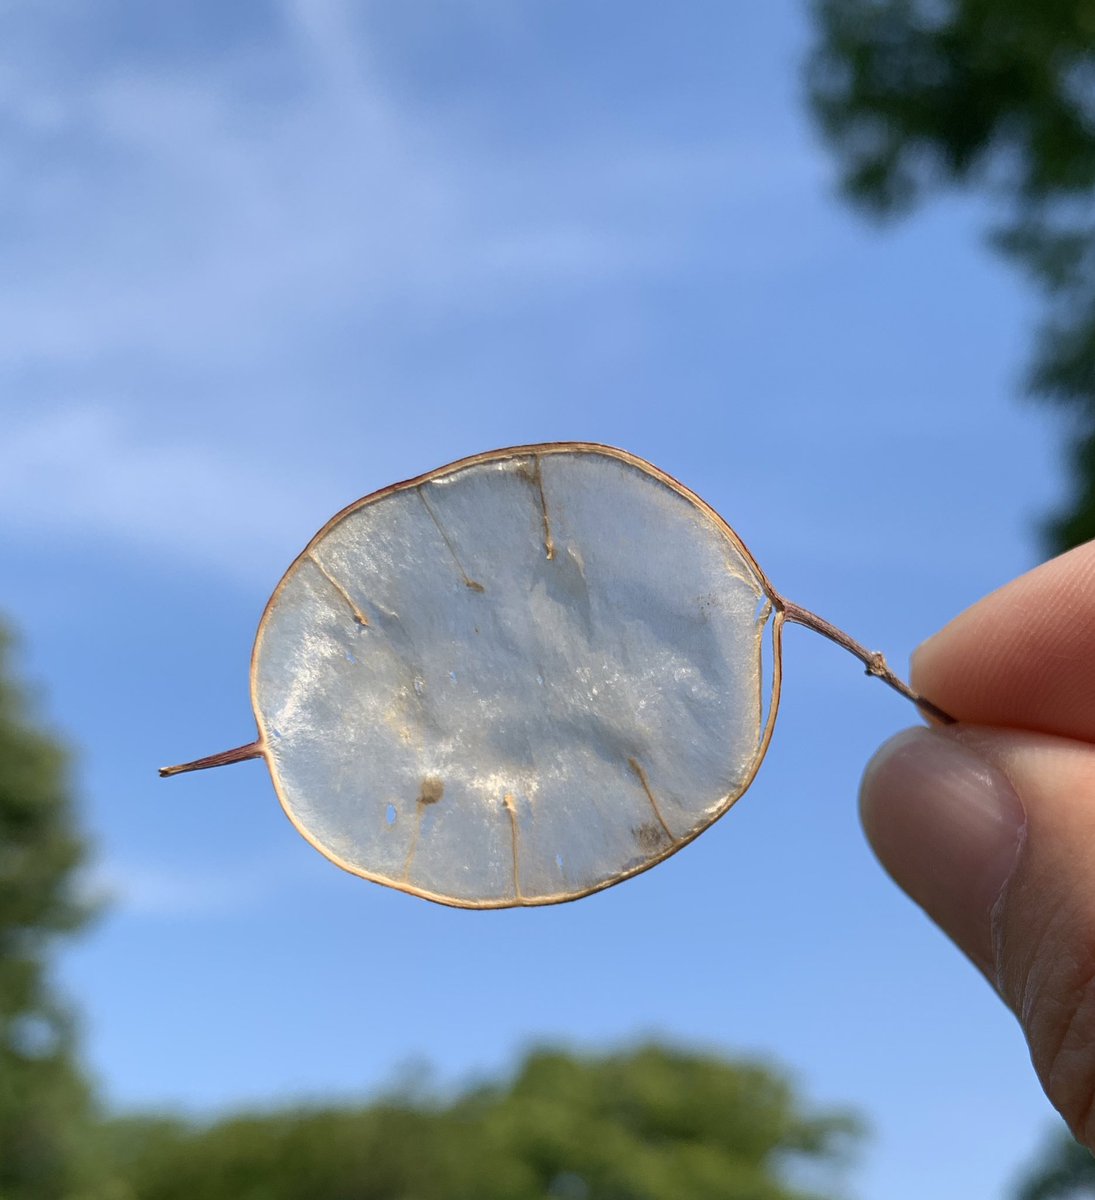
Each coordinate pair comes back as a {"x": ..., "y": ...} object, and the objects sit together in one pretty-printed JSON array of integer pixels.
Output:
[{"x": 518, "y": 679}]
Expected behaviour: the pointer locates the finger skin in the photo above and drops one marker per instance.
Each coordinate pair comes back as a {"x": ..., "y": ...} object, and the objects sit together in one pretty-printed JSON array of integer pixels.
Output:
[
  {"x": 949, "y": 827},
  {"x": 1018, "y": 671},
  {"x": 1043, "y": 926},
  {"x": 1023, "y": 657}
]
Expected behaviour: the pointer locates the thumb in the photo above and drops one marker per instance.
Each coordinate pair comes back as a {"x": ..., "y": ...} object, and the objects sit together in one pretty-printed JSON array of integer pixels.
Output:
[{"x": 992, "y": 832}]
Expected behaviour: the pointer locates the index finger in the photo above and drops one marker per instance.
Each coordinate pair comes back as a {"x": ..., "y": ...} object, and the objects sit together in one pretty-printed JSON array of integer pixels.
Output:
[{"x": 1023, "y": 657}]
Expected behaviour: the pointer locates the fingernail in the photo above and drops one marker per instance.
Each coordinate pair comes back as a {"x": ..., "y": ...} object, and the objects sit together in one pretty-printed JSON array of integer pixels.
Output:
[{"x": 947, "y": 825}]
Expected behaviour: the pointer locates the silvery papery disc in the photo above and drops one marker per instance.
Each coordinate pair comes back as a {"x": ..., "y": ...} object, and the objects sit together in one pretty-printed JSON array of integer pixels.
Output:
[{"x": 516, "y": 680}]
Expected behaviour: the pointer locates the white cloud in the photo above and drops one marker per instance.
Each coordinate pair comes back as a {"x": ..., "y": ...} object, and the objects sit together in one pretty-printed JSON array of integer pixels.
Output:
[
  {"x": 187, "y": 217},
  {"x": 83, "y": 473},
  {"x": 160, "y": 890}
]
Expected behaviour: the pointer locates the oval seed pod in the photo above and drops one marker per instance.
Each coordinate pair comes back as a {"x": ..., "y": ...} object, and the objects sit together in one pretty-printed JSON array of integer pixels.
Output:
[{"x": 519, "y": 679}]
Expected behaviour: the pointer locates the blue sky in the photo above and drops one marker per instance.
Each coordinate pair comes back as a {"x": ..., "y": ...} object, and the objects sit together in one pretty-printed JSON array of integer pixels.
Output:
[{"x": 260, "y": 259}]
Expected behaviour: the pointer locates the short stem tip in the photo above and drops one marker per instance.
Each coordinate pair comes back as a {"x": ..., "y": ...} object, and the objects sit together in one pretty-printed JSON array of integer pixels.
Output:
[{"x": 239, "y": 754}]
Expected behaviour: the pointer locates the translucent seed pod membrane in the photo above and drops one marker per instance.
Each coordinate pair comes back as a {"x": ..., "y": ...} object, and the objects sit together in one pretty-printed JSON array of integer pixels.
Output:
[{"x": 519, "y": 679}]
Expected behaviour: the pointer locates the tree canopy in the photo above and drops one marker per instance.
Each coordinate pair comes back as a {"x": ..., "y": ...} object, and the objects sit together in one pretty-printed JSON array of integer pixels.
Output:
[
  {"x": 44, "y": 1103},
  {"x": 998, "y": 94},
  {"x": 1064, "y": 1170},
  {"x": 650, "y": 1124}
]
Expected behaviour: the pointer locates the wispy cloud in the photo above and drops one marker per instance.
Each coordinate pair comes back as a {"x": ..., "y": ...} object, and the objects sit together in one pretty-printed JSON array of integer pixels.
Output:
[
  {"x": 160, "y": 890},
  {"x": 223, "y": 210},
  {"x": 205, "y": 210},
  {"x": 84, "y": 472}
]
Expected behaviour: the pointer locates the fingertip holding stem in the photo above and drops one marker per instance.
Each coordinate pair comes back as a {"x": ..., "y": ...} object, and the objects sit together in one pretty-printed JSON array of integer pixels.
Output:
[{"x": 948, "y": 827}]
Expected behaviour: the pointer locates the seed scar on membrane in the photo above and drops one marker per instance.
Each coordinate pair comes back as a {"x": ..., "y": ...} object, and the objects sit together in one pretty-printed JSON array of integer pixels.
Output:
[
  {"x": 432, "y": 791},
  {"x": 534, "y": 475},
  {"x": 510, "y": 805},
  {"x": 538, "y": 479},
  {"x": 358, "y": 615},
  {"x": 640, "y": 774},
  {"x": 468, "y": 582}
]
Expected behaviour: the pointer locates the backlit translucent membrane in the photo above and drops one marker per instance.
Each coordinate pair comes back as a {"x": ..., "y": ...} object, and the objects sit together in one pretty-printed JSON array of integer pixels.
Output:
[{"x": 523, "y": 679}]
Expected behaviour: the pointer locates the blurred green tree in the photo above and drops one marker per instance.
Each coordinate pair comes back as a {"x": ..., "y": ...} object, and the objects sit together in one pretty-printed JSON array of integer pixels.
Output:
[
  {"x": 44, "y": 1102},
  {"x": 1064, "y": 1170},
  {"x": 914, "y": 94},
  {"x": 650, "y": 1124}
]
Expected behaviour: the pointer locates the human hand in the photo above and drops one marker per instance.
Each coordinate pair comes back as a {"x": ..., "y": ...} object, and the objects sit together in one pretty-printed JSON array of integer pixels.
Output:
[{"x": 989, "y": 825}]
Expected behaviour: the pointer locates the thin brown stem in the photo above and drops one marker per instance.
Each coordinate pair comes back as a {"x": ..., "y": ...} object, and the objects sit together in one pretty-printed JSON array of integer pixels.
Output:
[
  {"x": 873, "y": 660},
  {"x": 239, "y": 754}
]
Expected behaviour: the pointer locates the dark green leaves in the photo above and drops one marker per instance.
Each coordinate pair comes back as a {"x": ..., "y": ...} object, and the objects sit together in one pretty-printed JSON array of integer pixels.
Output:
[
  {"x": 43, "y": 1100},
  {"x": 650, "y": 1124},
  {"x": 916, "y": 94}
]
